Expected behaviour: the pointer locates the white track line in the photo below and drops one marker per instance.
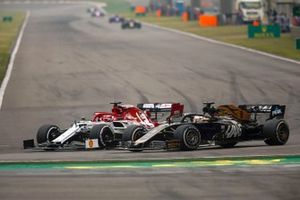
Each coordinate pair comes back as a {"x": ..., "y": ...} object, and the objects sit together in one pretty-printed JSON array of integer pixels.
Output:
[
  {"x": 223, "y": 43},
  {"x": 12, "y": 60}
]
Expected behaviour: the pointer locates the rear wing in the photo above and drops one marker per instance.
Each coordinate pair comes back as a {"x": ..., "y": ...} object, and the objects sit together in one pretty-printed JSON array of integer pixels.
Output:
[
  {"x": 175, "y": 109},
  {"x": 274, "y": 110}
]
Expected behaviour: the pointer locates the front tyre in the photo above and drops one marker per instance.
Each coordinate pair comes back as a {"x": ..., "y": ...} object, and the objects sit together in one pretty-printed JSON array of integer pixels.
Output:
[
  {"x": 104, "y": 134},
  {"x": 188, "y": 136},
  {"x": 47, "y": 133},
  {"x": 133, "y": 133},
  {"x": 276, "y": 132}
]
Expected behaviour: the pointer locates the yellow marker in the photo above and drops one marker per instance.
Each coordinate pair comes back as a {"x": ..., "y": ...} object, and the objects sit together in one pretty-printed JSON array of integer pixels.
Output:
[
  {"x": 165, "y": 165},
  {"x": 224, "y": 162},
  {"x": 91, "y": 143}
]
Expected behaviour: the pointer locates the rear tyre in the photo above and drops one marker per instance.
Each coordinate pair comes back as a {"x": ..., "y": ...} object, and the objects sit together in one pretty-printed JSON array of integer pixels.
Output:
[
  {"x": 276, "y": 132},
  {"x": 139, "y": 26},
  {"x": 47, "y": 133},
  {"x": 189, "y": 137},
  {"x": 133, "y": 133},
  {"x": 104, "y": 134}
]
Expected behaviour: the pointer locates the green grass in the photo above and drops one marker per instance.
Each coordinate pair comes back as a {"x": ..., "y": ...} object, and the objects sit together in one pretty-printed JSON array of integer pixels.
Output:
[
  {"x": 284, "y": 46},
  {"x": 116, "y": 6},
  {"x": 8, "y": 35}
]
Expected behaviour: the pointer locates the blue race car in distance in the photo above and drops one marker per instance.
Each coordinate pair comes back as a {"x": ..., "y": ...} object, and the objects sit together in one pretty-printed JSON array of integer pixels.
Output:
[{"x": 116, "y": 19}]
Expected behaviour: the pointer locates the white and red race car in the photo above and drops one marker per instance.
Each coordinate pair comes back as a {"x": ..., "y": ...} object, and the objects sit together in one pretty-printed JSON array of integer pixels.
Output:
[
  {"x": 105, "y": 129},
  {"x": 97, "y": 12}
]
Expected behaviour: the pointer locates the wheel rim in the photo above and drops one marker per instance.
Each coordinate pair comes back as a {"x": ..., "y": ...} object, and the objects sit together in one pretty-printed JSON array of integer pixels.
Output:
[
  {"x": 53, "y": 133},
  {"x": 282, "y": 132},
  {"x": 192, "y": 138},
  {"x": 137, "y": 135},
  {"x": 106, "y": 136}
]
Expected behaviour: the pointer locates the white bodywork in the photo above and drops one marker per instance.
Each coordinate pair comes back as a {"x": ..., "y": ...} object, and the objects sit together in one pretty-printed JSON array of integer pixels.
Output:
[
  {"x": 97, "y": 13},
  {"x": 131, "y": 24},
  {"x": 251, "y": 10},
  {"x": 81, "y": 126},
  {"x": 86, "y": 126},
  {"x": 153, "y": 132}
]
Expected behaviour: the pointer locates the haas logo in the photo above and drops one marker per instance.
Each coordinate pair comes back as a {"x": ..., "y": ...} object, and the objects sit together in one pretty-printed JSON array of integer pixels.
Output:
[{"x": 233, "y": 129}]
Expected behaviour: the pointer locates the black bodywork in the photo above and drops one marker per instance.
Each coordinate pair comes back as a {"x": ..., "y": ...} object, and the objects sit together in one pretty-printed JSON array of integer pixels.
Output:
[
  {"x": 225, "y": 125},
  {"x": 116, "y": 19},
  {"x": 251, "y": 129},
  {"x": 131, "y": 24}
]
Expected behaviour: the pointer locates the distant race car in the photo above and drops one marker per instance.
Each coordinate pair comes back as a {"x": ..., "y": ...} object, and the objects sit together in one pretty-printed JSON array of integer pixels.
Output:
[
  {"x": 97, "y": 13},
  {"x": 224, "y": 126},
  {"x": 131, "y": 24},
  {"x": 92, "y": 9},
  {"x": 116, "y": 19},
  {"x": 103, "y": 131}
]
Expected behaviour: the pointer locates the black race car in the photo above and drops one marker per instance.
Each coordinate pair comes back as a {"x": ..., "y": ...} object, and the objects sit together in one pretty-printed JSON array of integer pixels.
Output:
[
  {"x": 116, "y": 19},
  {"x": 131, "y": 24},
  {"x": 225, "y": 126}
]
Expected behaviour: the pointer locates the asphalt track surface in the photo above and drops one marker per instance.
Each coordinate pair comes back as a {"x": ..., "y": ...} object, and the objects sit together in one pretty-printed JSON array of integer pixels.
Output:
[{"x": 70, "y": 65}]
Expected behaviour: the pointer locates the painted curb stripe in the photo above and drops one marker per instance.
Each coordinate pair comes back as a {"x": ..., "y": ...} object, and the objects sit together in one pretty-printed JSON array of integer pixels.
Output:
[{"x": 191, "y": 163}]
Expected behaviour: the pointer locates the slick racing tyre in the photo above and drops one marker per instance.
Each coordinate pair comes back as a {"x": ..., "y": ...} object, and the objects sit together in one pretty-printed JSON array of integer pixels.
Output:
[
  {"x": 47, "y": 133},
  {"x": 133, "y": 133},
  {"x": 104, "y": 134},
  {"x": 276, "y": 132},
  {"x": 123, "y": 26},
  {"x": 189, "y": 137}
]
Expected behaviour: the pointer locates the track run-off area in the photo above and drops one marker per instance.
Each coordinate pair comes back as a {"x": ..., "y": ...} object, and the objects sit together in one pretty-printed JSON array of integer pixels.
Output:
[{"x": 70, "y": 65}]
